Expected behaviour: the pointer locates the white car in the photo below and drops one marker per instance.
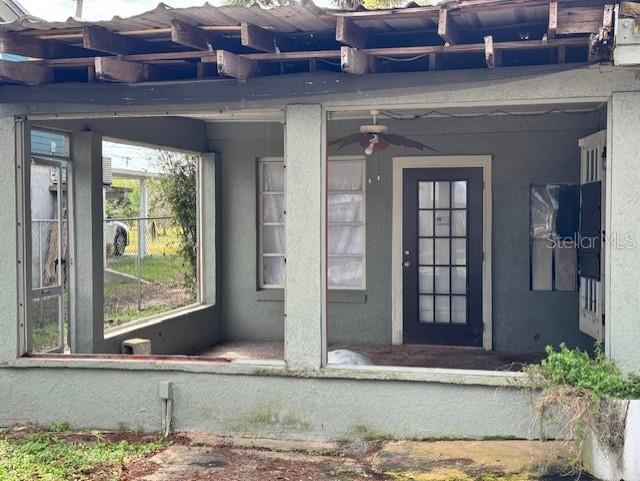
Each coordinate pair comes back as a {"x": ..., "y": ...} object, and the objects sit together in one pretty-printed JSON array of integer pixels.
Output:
[{"x": 116, "y": 234}]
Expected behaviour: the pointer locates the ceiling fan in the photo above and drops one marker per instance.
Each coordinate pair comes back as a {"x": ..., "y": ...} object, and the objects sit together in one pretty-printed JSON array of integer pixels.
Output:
[{"x": 374, "y": 137}]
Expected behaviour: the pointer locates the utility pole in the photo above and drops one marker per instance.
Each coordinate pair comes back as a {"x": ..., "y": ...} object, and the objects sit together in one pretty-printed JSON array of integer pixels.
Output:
[{"x": 79, "y": 8}]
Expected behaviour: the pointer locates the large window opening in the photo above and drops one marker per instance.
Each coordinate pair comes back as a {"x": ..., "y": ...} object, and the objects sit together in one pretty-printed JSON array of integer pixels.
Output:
[
  {"x": 143, "y": 238},
  {"x": 150, "y": 232}
]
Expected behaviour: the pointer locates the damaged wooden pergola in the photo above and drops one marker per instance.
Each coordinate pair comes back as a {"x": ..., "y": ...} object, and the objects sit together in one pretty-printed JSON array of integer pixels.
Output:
[{"x": 350, "y": 41}]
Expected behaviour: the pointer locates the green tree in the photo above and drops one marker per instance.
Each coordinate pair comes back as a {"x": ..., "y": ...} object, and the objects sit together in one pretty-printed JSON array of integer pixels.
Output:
[{"x": 179, "y": 187}]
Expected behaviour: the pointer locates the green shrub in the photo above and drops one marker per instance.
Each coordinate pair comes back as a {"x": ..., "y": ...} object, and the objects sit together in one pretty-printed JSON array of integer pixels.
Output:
[
  {"x": 597, "y": 375},
  {"x": 581, "y": 395}
]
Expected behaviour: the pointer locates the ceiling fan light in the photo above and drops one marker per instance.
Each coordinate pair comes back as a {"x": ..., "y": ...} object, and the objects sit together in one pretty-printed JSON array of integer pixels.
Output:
[{"x": 374, "y": 129}]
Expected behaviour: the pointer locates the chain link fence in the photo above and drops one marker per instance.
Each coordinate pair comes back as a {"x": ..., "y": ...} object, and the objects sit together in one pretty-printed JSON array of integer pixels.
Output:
[{"x": 145, "y": 271}]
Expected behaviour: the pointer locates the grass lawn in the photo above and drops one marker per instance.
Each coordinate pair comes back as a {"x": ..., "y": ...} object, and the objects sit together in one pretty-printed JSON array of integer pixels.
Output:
[
  {"x": 157, "y": 269},
  {"x": 58, "y": 456}
]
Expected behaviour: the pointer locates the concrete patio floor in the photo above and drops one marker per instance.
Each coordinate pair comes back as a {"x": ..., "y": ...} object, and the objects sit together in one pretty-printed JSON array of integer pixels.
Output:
[{"x": 209, "y": 458}]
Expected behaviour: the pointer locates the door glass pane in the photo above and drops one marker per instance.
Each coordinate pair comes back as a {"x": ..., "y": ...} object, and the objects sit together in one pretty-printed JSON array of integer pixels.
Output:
[
  {"x": 425, "y": 220},
  {"x": 442, "y": 194},
  {"x": 459, "y": 252},
  {"x": 426, "y": 308},
  {"x": 459, "y": 224},
  {"x": 425, "y": 195},
  {"x": 459, "y": 280},
  {"x": 460, "y": 194},
  {"x": 442, "y": 251},
  {"x": 443, "y": 219},
  {"x": 459, "y": 309},
  {"x": 442, "y": 280},
  {"x": 425, "y": 254},
  {"x": 442, "y": 309},
  {"x": 425, "y": 279}
]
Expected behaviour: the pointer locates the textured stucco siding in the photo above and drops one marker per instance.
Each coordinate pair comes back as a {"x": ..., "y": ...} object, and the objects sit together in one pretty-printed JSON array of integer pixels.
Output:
[{"x": 289, "y": 407}]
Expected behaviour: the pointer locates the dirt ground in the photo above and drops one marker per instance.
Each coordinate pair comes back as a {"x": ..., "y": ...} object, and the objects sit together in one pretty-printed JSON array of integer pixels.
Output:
[{"x": 209, "y": 458}]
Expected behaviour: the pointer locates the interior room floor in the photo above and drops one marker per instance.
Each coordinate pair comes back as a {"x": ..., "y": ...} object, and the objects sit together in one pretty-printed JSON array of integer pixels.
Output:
[{"x": 410, "y": 355}]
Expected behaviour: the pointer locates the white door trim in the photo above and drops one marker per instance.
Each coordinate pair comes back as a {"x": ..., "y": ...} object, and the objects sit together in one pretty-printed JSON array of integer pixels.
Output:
[{"x": 449, "y": 161}]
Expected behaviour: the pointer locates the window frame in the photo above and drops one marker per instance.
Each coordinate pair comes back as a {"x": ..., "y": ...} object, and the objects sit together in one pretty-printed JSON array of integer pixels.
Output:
[
  {"x": 261, "y": 161},
  {"x": 360, "y": 159}
]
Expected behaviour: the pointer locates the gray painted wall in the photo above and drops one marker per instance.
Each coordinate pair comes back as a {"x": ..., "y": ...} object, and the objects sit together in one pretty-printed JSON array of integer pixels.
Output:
[
  {"x": 526, "y": 150},
  {"x": 272, "y": 406}
]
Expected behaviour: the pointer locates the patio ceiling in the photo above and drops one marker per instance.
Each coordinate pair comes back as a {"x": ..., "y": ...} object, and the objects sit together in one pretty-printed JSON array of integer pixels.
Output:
[{"x": 200, "y": 42}]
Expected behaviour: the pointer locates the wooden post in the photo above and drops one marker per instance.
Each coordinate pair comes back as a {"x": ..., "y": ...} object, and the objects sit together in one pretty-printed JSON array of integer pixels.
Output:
[
  {"x": 447, "y": 29},
  {"x": 348, "y": 33},
  {"x": 553, "y": 20},
  {"x": 257, "y": 38},
  {"x": 233, "y": 65},
  {"x": 353, "y": 61},
  {"x": 25, "y": 73},
  {"x": 492, "y": 56}
]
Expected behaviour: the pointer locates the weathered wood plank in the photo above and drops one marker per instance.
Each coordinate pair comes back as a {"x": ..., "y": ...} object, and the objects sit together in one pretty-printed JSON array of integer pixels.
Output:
[
  {"x": 447, "y": 29},
  {"x": 601, "y": 43},
  {"x": 553, "y": 20},
  {"x": 102, "y": 40},
  {"x": 232, "y": 65},
  {"x": 36, "y": 48},
  {"x": 574, "y": 19},
  {"x": 350, "y": 34},
  {"x": 116, "y": 70},
  {"x": 353, "y": 61},
  {"x": 491, "y": 55},
  {"x": 25, "y": 73},
  {"x": 190, "y": 36},
  {"x": 257, "y": 38}
]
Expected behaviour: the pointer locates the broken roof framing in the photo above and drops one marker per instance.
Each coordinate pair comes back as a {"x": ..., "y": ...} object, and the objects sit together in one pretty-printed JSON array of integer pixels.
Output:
[{"x": 238, "y": 42}]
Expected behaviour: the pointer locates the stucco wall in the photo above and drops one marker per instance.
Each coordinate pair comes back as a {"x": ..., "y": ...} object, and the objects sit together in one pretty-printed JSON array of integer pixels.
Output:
[
  {"x": 525, "y": 150},
  {"x": 273, "y": 406}
]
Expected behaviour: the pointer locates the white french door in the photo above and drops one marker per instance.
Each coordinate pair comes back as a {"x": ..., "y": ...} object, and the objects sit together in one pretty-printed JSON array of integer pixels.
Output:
[{"x": 593, "y": 181}]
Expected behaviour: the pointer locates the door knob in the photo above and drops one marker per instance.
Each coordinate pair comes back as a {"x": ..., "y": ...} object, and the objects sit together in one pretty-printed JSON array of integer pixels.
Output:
[{"x": 406, "y": 263}]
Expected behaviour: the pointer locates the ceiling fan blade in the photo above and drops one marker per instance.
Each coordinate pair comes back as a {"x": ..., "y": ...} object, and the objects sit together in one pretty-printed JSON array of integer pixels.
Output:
[
  {"x": 348, "y": 140},
  {"x": 405, "y": 142}
]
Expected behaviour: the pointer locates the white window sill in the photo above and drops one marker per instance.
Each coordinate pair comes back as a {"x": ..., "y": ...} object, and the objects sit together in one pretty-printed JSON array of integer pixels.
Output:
[{"x": 133, "y": 326}]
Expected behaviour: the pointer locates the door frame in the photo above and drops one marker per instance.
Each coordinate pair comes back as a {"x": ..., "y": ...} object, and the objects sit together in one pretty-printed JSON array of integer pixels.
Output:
[{"x": 439, "y": 161}]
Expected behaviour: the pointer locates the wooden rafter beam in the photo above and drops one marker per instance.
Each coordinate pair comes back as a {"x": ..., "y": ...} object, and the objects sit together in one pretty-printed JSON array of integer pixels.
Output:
[
  {"x": 353, "y": 61},
  {"x": 116, "y": 70},
  {"x": 447, "y": 28},
  {"x": 102, "y": 40},
  {"x": 258, "y": 38},
  {"x": 190, "y": 36},
  {"x": 25, "y": 73},
  {"x": 36, "y": 48},
  {"x": 232, "y": 65},
  {"x": 348, "y": 33},
  {"x": 574, "y": 19}
]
